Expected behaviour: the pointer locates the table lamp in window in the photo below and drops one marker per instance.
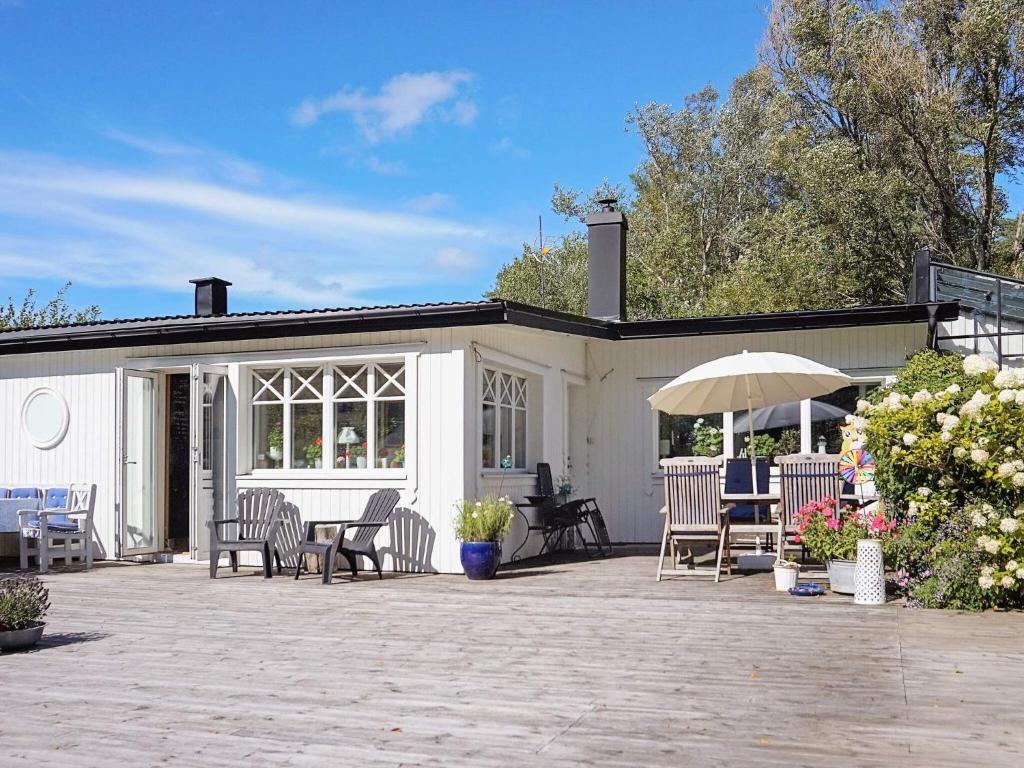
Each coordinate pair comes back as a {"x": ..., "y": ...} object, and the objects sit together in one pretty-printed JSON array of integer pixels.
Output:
[{"x": 347, "y": 436}]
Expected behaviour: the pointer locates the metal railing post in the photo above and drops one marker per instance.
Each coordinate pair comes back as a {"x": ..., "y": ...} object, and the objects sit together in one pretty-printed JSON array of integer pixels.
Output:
[{"x": 999, "y": 322}]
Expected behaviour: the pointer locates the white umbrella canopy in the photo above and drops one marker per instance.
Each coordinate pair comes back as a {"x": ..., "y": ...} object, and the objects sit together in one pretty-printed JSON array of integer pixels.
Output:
[{"x": 748, "y": 380}]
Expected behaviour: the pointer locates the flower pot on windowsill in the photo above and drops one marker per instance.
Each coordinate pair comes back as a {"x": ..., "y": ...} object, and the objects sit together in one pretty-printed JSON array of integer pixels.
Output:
[
  {"x": 360, "y": 462},
  {"x": 15, "y": 639},
  {"x": 480, "y": 559},
  {"x": 841, "y": 576}
]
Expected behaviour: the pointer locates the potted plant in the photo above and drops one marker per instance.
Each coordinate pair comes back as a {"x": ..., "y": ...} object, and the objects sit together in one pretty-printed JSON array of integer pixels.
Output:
[
  {"x": 831, "y": 536},
  {"x": 786, "y": 574},
  {"x": 565, "y": 488},
  {"x": 315, "y": 453},
  {"x": 480, "y": 526},
  {"x": 398, "y": 457},
  {"x": 360, "y": 454},
  {"x": 275, "y": 443},
  {"x": 23, "y": 603}
]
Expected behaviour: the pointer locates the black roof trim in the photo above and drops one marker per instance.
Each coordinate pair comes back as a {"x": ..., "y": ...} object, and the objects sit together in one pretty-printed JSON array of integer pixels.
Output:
[
  {"x": 187, "y": 329},
  {"x": 788, "y": 321}
]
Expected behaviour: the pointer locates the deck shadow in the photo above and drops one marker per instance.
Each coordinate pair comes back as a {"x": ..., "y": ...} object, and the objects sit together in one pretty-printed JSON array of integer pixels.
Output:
[{"x": 62, "y": 639}]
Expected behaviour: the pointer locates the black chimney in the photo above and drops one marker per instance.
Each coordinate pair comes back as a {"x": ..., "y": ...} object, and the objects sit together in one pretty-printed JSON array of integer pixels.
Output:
[
  {"x": 211, "y": 296},
  {"x": 606, "y": 262}
]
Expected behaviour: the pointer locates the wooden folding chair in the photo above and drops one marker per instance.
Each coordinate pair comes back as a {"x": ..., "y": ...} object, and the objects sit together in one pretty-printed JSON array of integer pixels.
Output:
[
  {"x": 803, "y": 478},
  {"x": 694, "y": 513}
]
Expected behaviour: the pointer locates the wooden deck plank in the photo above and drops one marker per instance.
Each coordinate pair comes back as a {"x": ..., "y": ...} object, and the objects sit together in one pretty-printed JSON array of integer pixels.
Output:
[{"x": 555, "y": 665}]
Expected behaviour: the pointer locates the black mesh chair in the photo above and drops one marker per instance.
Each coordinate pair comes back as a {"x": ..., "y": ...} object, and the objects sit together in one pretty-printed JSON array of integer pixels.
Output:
[
  {"x": 545, "y": 486},
  {"x": 350, "y": 545}
]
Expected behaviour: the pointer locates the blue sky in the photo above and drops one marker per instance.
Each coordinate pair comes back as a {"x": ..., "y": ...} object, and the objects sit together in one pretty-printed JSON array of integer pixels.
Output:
[{"x": 320, "y": 154}]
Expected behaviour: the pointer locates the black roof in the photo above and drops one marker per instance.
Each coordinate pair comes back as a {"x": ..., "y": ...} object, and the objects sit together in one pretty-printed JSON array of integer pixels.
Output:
[{"x": 183, "y": 329}]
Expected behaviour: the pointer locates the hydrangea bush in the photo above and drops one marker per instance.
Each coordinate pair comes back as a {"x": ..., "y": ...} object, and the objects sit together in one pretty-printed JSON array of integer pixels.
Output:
[{"x": 950, "y": 459}]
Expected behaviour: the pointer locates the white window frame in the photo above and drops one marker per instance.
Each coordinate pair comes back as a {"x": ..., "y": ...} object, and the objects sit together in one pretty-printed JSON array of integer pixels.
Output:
[
  {"x": 526, "y": 408},
  {"x": 246, "y": 468}
]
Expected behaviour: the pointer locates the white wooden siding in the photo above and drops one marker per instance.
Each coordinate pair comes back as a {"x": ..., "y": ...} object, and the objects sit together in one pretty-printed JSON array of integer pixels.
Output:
[
  {"x": 622, "y": 374},
  {"x": 610, "y": 426}
]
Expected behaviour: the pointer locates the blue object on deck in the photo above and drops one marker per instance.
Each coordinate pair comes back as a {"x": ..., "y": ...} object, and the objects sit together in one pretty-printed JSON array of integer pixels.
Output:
[
  {"x": 24, "y": 493},
  {"x": 807, "y": 590},
  {"x": 738, "y": 480}
]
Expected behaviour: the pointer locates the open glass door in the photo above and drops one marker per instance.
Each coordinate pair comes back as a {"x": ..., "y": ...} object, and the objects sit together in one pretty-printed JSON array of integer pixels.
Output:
[
  {"x": 207, "y": 475},
  {"x": 139, "y": 417}
]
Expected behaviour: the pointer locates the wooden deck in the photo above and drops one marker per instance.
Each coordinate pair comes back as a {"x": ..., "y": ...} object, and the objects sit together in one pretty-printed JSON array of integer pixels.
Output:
[{"x": 555, "y": 665}]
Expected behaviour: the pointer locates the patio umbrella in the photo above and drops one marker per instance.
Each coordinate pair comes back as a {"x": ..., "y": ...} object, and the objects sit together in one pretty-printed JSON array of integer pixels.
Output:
[
  {"x": 787, "y": 415},
  {"x": 750, "y": 379}
]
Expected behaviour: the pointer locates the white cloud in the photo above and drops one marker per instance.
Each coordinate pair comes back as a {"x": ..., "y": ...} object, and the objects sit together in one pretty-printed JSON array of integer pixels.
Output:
[
  {"x": 385, "y": 167},
  {"x": 162, "y": 147},
  {"x": 456, "y": 259},
  {"x": 435, "y": 201},
  {"x": 506, "y": 146},
  {"x": 158, "y": 228},
  {"x": 202, "y": 158},
  {"x": 403, "y": 102}
]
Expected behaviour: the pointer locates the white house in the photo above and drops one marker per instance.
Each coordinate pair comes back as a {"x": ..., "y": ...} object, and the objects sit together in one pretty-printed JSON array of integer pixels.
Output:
[{"x": 169, "y": 416}]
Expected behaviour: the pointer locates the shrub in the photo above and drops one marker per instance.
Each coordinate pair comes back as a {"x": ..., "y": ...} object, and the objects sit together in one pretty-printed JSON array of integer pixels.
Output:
[
  {"x": 23, "y": 601},
  {"x": 951, "y": 458},
  {"x": 764, "y": 445},
  {"x": 707, "y": 439},
  {"x": 930, "y": 370},
  {"x": 485, "y": 520},
  {"x": 938, "y": 565}
]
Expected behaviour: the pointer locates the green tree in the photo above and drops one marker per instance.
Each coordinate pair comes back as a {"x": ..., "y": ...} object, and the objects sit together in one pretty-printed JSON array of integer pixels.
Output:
[
  {"x": 29, "y": 314},
  {"x": 865, "y": 131}
]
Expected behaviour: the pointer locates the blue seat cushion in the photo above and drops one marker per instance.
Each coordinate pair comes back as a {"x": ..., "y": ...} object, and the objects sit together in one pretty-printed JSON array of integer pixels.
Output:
[
  {"x": 24, "y": 493},
  {"x": 746, "y": 512},
  {"x": 56, "y": 498},
  {"x": 5, "y": 493},
  {"x": 55, "y": 523}
]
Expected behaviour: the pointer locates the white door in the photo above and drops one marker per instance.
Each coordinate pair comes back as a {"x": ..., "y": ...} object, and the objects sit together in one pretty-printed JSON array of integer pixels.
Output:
[
  {"x": 207, "y": 469},
  {"x": 139, "y": 416}
]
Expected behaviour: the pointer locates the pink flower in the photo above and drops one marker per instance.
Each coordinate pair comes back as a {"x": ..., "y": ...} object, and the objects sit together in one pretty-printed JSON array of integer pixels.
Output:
[{"x": 833, "y": 523}]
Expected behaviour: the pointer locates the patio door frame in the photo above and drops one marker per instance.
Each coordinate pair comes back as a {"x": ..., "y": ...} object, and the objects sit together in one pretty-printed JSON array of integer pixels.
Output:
[
  {"x": 203, "y": 481},
  {"x": 158, "y": 458}
]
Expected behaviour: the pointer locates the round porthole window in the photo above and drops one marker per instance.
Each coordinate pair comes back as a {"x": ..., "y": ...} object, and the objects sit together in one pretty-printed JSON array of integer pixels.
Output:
[{"x": 44, "y": 417}]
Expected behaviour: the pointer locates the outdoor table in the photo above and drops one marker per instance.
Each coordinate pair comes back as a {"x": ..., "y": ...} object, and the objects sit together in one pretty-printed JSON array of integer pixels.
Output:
[{"x": 9, "y": 509}]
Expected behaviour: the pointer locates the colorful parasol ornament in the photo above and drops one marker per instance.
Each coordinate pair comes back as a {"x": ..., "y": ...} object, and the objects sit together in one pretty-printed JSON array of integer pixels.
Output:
[{"x": 857, "y": 466}]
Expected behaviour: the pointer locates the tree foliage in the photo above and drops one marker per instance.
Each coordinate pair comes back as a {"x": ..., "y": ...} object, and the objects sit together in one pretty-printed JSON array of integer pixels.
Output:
[
  {"x": 29, "y": 314},
  {"x": 865, "y": 131}
]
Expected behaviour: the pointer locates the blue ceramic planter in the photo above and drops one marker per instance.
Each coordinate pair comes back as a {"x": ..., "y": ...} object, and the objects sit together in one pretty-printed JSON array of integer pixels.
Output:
[{"x": 480, "y": 559}]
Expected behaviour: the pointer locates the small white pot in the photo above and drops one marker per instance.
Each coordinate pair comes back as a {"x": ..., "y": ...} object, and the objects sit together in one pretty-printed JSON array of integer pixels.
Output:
[
  {"x": 785, "y": 577},
  {"x": 360, "y": 462}
]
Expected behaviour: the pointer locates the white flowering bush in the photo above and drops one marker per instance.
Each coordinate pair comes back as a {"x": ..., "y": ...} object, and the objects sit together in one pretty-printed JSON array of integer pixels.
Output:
[
  {"x": 950, "y": 458},
  {"x": 486, "y": 519}
]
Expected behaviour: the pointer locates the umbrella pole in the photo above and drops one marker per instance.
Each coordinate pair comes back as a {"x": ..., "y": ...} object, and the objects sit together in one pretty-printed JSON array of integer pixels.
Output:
[{"x": 752, "y": 455}]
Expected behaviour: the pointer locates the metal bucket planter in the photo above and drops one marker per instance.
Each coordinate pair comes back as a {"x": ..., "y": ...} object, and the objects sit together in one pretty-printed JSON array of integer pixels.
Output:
[
  {"x": 21, "y": 638},
  {"x": 841, "y": 576},
  {"x": 480, "y": 559}
]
